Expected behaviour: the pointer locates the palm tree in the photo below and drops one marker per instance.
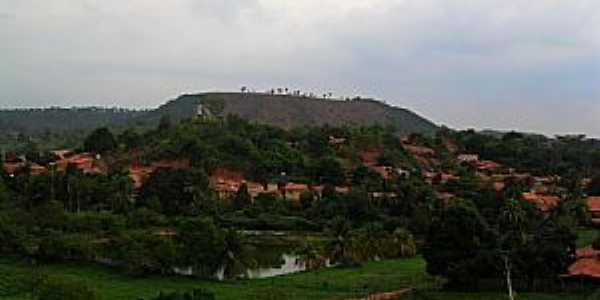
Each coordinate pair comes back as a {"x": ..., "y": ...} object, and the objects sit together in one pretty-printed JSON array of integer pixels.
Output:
[
  {"x": 339, "y": 247},
  {"x": 404, "y": 243},
  {"x": 514, "y": 218},
  {"x": 122, "y": 192},
  {"x": 310, "y": 257},
  {"x": 233, "y": 258}
]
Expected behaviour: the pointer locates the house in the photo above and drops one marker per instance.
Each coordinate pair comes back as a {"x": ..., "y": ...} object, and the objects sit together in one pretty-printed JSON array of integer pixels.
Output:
[
  {"x": 139, "y": 174},
  {"x": 419, "y": 150},
  {"x": 382, "y": 195},
  {"x": 586, "y": 266},
  {"x": 336, "y": 141},
  {"x": 11, "y": 167},
  {"x": 369, "y": 158},
  {"x": 342, "y": 189},
  {"x": 292, "y": 191},
  {"x": 62, "y": 153},
  {"x": 35, "y": 169},
  {"x": 386, "y": 172},
  {"x": 225, "y": 189},
  {"x": 488, "y": 165},
  {"x": 593, "y": 204},
  {"x": 13, "y": 164},
  {"x": 83, "y": 161},
  {"x": 498, "y": 186},
  {"x": 468, "y": 158},
  {"x": 544, "y": 202}
]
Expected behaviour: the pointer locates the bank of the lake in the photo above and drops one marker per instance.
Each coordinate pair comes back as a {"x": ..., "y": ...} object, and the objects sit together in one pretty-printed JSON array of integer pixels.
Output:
[{"x": 334, "y": 283}]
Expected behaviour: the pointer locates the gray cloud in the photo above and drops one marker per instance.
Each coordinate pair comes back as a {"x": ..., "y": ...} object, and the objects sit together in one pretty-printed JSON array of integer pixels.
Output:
[{"x": 531, "y": 65}]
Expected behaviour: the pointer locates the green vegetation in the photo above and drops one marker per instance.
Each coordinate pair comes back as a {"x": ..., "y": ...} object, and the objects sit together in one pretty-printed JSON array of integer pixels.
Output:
[
  {"x": 586, "y": 236},
  {"x": 188, "y": 197},
  {"x": 337, "y": 283}
]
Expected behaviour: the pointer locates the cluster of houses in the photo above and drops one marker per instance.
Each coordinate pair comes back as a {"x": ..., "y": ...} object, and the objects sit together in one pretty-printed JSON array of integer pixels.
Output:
[
  {"x": 227, "y": 183},
  {"x": 87, "y": 162}
]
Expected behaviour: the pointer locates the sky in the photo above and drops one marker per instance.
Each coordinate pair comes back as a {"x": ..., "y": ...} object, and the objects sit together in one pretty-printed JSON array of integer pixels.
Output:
[{"x": 520, "y": 64}]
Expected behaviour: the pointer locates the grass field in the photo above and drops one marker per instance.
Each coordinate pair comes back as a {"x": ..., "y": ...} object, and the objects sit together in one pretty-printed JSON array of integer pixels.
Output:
[
  {"x": 337, "y": 283},
  {"x": 585, "y": 236},
  {"x": 323, "y": 284}
]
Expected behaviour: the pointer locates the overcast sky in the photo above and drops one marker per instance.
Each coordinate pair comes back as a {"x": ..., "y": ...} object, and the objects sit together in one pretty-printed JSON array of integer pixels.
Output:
[{"x": 531, "y": 65}]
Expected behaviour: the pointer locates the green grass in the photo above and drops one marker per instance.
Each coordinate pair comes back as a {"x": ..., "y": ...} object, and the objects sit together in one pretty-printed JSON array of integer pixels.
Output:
[
  {"x": 585, "y": 236},
  {"x": 323, "y": 284}
]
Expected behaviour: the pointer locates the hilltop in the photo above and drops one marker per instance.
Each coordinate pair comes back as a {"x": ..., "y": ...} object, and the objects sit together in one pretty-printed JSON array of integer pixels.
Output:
[{"x": 287, "y": 111}]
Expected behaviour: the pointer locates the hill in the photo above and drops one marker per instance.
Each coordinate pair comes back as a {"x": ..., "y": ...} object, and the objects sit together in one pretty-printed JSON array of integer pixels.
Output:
[
  {"x": 279, "y": 110},
  {"x": 32, "y": 121},
  {"x": 288, "y": 111}
]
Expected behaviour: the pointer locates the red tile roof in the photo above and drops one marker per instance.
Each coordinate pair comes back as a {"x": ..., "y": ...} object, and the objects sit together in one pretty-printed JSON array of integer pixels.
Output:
[
  {"x": 586, "y": 267},
  {"x": 488, "y": 165},
  {"x": 11, "y": 167},
  {"x": 35, "y": 169},
  {"x": 499, "y": 185},
  {"x": 543, "y": 202},
  {"x": 593, "y": 204},
  {"x": 587, "y": 252},
  {"x": 139, "y": 174},
  {"x": 295, "y": 187},
  {"x": 369, "y": 158},
  {"x": 227, "y": 174},
  {"x": 419, "y": 150},
  {"x": 384, "y": 171}
]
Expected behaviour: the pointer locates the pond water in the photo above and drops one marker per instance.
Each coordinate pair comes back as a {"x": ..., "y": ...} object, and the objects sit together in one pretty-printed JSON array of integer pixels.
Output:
[
  {"x": 267, "y": 259},
  {"x": 289, "y": 264}
]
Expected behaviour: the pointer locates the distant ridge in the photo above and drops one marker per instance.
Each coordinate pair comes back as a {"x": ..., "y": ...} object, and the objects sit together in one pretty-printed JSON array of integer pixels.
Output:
[
  {"x": 283, "y": 111},
  {"x": 288, "y": 111}
]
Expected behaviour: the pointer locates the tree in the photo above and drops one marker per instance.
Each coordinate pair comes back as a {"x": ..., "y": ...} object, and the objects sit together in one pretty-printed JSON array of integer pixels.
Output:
[
  {"x": 233, "y": 258},
  {"x": 339, "y": 248},
  {"x": 329, "y": 170},
  {"x": 203, "y": 245},
  {"x": 514, "y": 219},
  {"x": 267, "y": 201},
  {"x": 310, "y": 256},
  {"x": 453, "y": 246},
  {"x": 165, "y": 123},
  {"x": 130, "y": 139},
  {"x": 145, "y": 252},
  {"x": 402, "y": 244},
  {"x": 242, "y": 198},
  {"x": 100, "y": 140},
  {"x": 306, "y": 199},
  {"x": 175, "y": 189},
  {"x": 4, "y": 195}
]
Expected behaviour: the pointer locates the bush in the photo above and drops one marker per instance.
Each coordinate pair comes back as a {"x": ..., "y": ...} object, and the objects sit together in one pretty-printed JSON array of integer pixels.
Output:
[
  {"x": 199, "y": 294},
  {"x": 65, "y": 290}
]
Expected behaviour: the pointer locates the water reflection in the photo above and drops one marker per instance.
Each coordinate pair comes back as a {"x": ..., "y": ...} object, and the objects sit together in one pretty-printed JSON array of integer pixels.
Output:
[{"x": 287, "y": 263}]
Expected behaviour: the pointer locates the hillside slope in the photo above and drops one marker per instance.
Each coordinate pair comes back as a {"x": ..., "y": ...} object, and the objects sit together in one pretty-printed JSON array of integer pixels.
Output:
[
  {"x": 288, "y": 111},
  {"x": 32, "y": 121}
]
